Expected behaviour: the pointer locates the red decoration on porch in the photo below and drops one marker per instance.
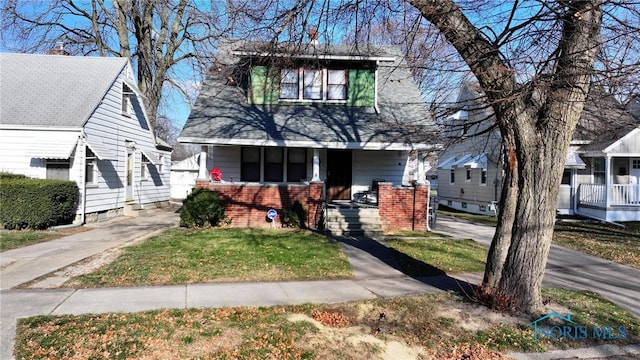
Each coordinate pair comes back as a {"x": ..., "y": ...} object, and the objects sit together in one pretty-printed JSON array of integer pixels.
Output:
[{"x": 216, "y": 174}]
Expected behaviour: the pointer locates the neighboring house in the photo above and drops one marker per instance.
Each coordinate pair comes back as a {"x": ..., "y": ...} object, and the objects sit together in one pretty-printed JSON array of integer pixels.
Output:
[
  {"x": 183, "y": 176},
  {"x": 81, "y": 119},
  {"x": 313, "y": 123},
  {"x": 602, "y": 168}
]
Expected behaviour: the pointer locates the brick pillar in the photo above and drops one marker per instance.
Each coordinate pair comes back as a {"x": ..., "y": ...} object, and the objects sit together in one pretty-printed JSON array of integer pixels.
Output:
[
  {"x": 202, "y": 183},
  {"x": 314, "y": 204},
  {"x": 421, "y": 206}
]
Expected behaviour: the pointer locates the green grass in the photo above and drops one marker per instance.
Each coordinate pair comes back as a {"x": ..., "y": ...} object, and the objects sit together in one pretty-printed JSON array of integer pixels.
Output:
[
  {"x": 476, "y": 218},
  {"x": 434, "y": 254},
  {"x": 10, "y": 239},
  {"x": 181, "y": 256},
  {"x": 611, "y": 242},
  {"x": 603, "y": 240},
  {"x": 443, "y": 325}
]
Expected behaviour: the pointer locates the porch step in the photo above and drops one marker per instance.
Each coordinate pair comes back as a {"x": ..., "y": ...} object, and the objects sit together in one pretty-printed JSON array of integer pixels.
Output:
[
  {"x": 353, "y": 222},
  {"x": 134, "y": 210}
]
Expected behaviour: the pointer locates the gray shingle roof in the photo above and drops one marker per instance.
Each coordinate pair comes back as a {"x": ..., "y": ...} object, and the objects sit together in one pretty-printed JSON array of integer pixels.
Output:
[
  {"x": 604, "y": 121},
  {"x": 53, "y": 90},
  {"x": 222, "y": 114}
]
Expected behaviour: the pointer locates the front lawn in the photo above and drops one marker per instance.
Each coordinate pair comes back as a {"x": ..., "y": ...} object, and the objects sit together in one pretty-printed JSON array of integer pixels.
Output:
[
  {"x": 181, "y": 256},
  {"x": 440, "y": 325},
  {"x": 607, "y": 241},
  {"x": 12, "y": 239},
  {"x": 433, "y": 254}
]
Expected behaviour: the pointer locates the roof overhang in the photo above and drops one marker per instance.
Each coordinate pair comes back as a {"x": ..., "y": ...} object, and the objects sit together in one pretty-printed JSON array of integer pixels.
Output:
[
  {"x": 150, "y": 154},
  {"x": 264, "y": 54},
  {"x": 134, "y": 87},
  {"x": 101, "y": 150},
  {"x": 309, "y": 144},
  {"x": 573, "y": 161},
  {"x": 477, "y": 162},
  {"x": 52, "y": 144}
]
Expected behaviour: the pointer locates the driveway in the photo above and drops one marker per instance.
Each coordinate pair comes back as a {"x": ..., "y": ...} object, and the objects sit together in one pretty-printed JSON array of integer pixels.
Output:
[{"x": 565, "y": 267}]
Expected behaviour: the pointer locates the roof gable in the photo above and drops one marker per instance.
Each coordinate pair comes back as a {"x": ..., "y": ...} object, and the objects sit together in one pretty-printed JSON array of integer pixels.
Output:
[
  {"x": 54, "y": 90},
  {"x": 222, "y": 114}
]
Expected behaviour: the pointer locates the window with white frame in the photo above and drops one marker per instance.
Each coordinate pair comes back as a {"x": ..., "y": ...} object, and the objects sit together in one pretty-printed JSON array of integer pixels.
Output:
[
  {"x": 250, "y": 164},
  {"x": 273, "y": 164},
  {"x": 161, "y": 165},
  {"x": 336, "y": 84},
  {"x": 468, "y": 174},
  {"x": 483, "y": 177},
  {"x": 313, "y": 84},
  {"x": 289, "y": 84},
  {"x": 91, "y": 168},
  {"x": 599, "y": 172},
  {"x": 296, "y": 165},
  {"x": 452, "y": 176},
  {"x": 268, "y": 164},
  {"x": 144, "y": 168},
  {"x": 126, "y": 100}
]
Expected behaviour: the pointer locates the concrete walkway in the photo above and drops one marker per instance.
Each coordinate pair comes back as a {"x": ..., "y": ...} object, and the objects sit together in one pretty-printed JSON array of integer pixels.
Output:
[
  {"x": 376, "y": 276},
  {"x": 566, "y": 268}
]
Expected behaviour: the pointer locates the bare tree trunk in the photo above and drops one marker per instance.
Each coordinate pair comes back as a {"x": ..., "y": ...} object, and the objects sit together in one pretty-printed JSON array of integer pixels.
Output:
[
  {"x": 541, "y": 117},
  {"x": 502, "y": 237}
]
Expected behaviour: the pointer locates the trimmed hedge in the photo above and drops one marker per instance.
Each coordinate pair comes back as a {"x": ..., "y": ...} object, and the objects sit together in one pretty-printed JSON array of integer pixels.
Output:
[
  {"x": 36, "y": 203},
  {"x": 201, "y": 208}
]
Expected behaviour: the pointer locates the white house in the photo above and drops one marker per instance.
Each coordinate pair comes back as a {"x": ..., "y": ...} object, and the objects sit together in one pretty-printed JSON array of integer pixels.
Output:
[
  {"x": 601, "y": 176},
  {"x": 82, "y": 119}
]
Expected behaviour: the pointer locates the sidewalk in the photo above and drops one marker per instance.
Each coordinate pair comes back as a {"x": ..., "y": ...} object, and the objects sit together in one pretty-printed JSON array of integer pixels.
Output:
[{"x": 376, "y": 276}]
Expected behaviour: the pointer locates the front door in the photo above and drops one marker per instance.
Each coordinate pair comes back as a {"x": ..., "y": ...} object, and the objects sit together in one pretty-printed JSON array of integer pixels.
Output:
[{"x": 338, "y": 174}]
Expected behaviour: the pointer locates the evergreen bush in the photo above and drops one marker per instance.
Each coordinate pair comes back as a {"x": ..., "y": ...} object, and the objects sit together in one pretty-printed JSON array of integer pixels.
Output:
[
  {"x": 37, "y": 204},
  {"x": 201, "y": 208}
]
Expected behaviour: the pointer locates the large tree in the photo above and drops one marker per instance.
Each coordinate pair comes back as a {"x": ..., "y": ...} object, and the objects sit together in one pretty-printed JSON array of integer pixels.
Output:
[
  {"x": 170, "y": 43},
  {"x": 535, "y": 62}
]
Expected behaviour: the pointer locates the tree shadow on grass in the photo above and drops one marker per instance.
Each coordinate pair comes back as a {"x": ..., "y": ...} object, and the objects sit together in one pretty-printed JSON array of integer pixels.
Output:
[{"x": 408, "y": 265}]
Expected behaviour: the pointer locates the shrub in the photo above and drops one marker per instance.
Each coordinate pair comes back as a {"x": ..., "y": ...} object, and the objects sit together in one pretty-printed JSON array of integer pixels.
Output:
[
  {"x": 294, "y": 216},
  {"x": 202, "y": 207},
  {"x": 36, "y": 203}
]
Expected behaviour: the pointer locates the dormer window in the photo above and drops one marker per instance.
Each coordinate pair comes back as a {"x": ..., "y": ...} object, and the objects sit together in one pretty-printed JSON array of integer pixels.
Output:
[{"x": 313, "y": 84}]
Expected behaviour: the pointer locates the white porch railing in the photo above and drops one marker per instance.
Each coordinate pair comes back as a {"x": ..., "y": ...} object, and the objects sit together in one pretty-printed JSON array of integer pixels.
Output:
[
  {"x": 619, "y": 195},
  {"x": 625, "y": 194}
]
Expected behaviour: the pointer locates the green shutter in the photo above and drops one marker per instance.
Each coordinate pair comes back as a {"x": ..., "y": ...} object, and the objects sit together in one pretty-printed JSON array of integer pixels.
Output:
[
  {"x": 361, "y": 88},
  {"x": 264, "y": 87}
]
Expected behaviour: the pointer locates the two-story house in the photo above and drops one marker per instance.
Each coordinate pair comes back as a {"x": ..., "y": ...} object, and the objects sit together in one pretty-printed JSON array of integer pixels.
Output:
[
  {"x": 601, "y": 170},
  {"x": 313, "y": 123}
]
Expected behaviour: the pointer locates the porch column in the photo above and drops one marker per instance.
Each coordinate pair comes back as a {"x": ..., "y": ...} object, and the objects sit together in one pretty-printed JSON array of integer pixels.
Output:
[
  {"x": 607, "y": 181},
  {"x": 420, "y": 171},
  {"x": 202, "y": 164},
  {"x": 316, "y": 165}
]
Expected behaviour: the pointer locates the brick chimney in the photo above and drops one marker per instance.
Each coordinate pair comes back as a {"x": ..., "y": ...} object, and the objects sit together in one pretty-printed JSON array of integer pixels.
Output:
[
  {"x": 313, "y": 35},
  {"x": 58, "y": 49}
]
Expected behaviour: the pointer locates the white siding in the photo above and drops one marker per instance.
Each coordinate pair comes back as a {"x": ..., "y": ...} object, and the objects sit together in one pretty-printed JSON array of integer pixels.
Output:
[
  {"x": 114, "y": 130},
  {"x": 392, "y": 166}
]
